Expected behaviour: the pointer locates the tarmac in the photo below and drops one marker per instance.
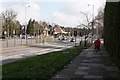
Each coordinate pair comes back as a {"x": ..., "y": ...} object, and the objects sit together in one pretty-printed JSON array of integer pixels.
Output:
[
  {"x": 10, "y": 54},
  {"x": 90, "y": 65}
]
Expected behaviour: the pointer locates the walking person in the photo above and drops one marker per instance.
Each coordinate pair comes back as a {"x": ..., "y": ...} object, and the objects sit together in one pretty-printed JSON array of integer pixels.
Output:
[{"x": 97, "y": 44}]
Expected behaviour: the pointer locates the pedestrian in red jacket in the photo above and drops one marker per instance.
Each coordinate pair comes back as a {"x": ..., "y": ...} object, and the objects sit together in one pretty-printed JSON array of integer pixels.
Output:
[{"x": 97, "y": 44}]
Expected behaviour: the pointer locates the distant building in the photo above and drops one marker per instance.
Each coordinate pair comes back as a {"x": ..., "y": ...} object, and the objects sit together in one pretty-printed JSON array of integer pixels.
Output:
[{"x": 59, "y": 32}]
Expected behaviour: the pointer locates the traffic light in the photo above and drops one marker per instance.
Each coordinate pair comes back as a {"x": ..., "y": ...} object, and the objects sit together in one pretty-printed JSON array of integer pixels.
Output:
[
  {"x": 75, "y": 33},
  {"x": 50, "y": 26},
  {"x": 80, "y": 34}
]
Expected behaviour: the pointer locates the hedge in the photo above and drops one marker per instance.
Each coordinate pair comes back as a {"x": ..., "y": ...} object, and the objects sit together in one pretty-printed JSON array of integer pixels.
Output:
[{"x": 112, "y": 30}]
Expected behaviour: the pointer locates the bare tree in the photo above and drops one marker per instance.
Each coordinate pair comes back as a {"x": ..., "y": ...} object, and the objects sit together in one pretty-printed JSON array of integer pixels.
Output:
[
  {"x": 87, "y": 23},
  {"x": 9, "y": 17},
  {"x": 99, "y": 21}
]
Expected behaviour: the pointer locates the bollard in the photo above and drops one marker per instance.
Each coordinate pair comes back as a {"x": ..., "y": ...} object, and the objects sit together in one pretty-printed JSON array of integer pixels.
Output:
[
  {"x": 80, "y": 43},
  {"x": 43, "y": 40},
  {"x": 14, "y": 41},
  {"x": 7, "y": 42},
  {"x": 21, "y": 41}
]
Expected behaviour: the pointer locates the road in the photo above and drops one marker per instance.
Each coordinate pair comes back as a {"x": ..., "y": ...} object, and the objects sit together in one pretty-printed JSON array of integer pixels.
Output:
[{"x": 10, "y": 55}]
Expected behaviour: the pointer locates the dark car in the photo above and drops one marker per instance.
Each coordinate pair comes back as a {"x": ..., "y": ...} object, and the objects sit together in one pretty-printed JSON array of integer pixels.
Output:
[
  {"x": 24, "y": 36},
  {"x": 61, "y": 38},
  {"x": 72, "y": 40},
  {"x": 2, "y": 37}
]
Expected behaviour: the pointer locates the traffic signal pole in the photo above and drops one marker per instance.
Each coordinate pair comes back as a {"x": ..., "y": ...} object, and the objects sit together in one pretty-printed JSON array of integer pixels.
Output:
[
  {"x": 75, "y": 41},
  {"x": 75, "y": 34}
]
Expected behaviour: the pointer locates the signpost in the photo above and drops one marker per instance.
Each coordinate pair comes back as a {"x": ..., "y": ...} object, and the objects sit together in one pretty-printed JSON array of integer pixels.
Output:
[
  {"x": 14, "y": 36},
  {"x": 75, "y": 34},
  {"x": 22, "y": 27},
  {"x": 5, "y": 32}
]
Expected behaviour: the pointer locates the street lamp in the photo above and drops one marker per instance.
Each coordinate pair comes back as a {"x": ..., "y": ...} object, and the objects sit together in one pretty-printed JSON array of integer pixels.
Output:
[
  {"x": 92, "y": 20},
  {"x": 6, "y": 31},
  {"x": 92, "y": 16},
  {"x": 25, "y": 18},
  {"x": 25, "y": 24}
]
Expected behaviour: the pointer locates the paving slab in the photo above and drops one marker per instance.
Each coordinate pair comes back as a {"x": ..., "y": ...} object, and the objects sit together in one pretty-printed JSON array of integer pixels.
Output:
[
  {"x": 111, "y": 68},
  {"x": 83, "y": 67},
  {"x": 92, "y": 76},
  {"x": 81, "y": 73},
  {"x": 90, "y": 65}
]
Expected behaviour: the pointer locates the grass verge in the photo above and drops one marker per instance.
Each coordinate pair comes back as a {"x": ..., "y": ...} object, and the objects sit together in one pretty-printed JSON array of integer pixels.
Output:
[{"x": 41, "y": 66}]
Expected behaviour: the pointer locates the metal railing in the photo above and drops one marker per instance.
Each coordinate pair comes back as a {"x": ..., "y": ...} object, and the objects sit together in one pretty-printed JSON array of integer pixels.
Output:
[{"x": 12, "y": 42}]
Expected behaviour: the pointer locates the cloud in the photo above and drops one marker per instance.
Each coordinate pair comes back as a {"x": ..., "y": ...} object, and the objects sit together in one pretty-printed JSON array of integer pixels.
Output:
[
  {"x": 32, "y": 10},
  {"x": 49, "y": 0},
  {"x": 65, "y": 20},
  {"x": 70, "y": 12},
  {"x": 1, "y": 7},
  {"x": 66, "y": 14}
]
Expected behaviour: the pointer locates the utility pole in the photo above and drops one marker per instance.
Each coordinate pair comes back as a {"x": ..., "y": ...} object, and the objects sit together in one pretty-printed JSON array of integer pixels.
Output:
[
  {"x": 92, "y": 20},
  {"x": 25, "y": 25},
  {"x": 75, "y": 34},
  {"x": 92, "y": 16}
]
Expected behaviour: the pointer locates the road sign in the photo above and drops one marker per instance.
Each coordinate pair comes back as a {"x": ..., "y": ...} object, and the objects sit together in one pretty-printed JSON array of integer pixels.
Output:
[
  {"x": 13, "y": 31},
  {"x": 5, "y": 32}
]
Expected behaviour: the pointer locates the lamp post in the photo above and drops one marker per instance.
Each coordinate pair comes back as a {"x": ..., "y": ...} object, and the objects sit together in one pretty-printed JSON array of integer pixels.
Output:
[
  {"x": 92, "y": 16},
  {"x": 25, "y": 18},
  {"x": 92, "y": 20},
  {"x": 6, "y": 32},
  {"x": 75, "y": 34},
  {"x": 25, "y": 24}
]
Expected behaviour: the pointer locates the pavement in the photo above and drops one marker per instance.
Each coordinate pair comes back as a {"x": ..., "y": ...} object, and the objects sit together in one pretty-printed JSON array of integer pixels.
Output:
[{"x": 90, "y": 65}]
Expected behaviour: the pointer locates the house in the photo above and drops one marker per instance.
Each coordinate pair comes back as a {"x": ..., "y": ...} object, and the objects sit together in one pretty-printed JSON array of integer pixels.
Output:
[{"x": 59, "y": 32}]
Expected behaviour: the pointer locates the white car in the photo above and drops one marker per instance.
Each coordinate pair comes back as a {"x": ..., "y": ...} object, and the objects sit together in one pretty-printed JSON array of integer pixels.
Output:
[
  {"x": 28, "y": 37},
  {"x": 65, "y": 38}
]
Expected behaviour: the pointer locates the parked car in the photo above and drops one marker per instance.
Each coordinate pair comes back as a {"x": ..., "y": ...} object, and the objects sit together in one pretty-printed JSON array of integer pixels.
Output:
[
  {"x": 15, "y": 37},
  {"x": 61, "y": 38},
  {"x": 2, "y": 37},
  {"x": 28, "y": 37},
  {"x": 67, "y": 37},
  {"x": 72, "y": 40},
  {"x": 24, "y": 36}
]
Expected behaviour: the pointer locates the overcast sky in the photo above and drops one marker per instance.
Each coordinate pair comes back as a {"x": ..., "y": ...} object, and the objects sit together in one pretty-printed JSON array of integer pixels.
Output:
[{"x": 62, "y": 12}]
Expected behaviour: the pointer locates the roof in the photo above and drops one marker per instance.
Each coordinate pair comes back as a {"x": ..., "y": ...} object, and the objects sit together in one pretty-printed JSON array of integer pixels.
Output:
[
  {"x": 47, "y": 29},
  {"x": 57, "y": 29}
]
